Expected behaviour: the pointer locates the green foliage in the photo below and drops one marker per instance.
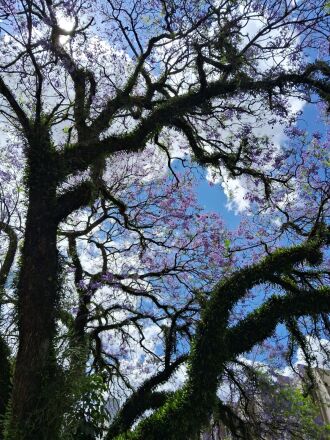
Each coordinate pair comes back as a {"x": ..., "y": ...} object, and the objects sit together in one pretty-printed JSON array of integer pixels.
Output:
[
  {"x": 227, "y": 244},
  {"x": 304, "y": 410},
  {"x": 290, "y": 408},
  {"x": 88, "y": 415}
]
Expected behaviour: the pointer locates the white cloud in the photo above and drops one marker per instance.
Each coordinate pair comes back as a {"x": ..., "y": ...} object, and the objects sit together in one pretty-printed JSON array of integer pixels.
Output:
[{"x": 319, "y": 350}]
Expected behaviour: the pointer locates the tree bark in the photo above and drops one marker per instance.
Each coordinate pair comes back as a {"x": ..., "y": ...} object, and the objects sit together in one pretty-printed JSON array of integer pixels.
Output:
[
  {"x": 33, "y": 402},
  {"x": 37, "y": 294}
]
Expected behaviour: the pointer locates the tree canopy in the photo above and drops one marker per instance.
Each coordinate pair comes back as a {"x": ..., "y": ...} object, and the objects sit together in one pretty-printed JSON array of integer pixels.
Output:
[{"x": 115, "y": 282}]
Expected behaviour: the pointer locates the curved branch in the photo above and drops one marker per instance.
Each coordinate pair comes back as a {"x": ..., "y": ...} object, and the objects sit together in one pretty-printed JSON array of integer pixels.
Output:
[
  {"x": 17, "y": 109},
  {"x": 73, "y": 199},
  {"x": 10, "y": 256},
  {"x": 190, "y": 408},
  {"x": 144, "y": 398},
  {"x": 261, "y": 323},
  {"x": 80, "y": 156}
]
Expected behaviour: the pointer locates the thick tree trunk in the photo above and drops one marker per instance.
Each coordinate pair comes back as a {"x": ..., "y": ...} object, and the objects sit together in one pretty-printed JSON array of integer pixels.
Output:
[
  {"x": 37, "y": 294},
  {"x": 34, "y": 385}
]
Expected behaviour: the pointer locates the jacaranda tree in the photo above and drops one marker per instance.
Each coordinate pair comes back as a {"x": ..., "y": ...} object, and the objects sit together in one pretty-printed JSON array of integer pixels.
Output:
[{"x": 113, "y": 279}]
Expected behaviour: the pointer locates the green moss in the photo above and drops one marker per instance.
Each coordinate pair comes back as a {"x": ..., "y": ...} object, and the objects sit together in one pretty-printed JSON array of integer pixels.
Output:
[{"x": 189, "y": 409}]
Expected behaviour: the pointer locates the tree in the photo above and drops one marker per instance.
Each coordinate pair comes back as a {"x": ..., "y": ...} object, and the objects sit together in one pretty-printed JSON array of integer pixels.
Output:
[{"x": 97, "y": 100}]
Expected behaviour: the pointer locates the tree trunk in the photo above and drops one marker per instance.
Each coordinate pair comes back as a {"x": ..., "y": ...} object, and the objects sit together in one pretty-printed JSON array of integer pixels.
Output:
[
  {"x": 37, "y": 294},
  {"x": 34, "y": 385}
]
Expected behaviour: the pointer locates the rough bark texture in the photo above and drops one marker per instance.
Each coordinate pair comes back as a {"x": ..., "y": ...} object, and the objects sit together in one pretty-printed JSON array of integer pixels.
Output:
[{"x": 34, "y": 384}]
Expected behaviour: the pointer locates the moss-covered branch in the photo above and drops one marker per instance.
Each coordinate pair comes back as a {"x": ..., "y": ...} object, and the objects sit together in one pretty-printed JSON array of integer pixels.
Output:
[
  {"x": 261, "y": 323},
  {"x": 189, "y": 409},
  {"x": 80, "y": 156},
  {"x": 144, "y": 398},
  {"x": 73, "y": 199}
]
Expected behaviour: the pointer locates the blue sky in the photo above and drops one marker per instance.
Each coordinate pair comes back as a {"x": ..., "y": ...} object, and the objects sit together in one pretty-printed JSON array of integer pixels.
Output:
[{"x": 212, "y": 198}]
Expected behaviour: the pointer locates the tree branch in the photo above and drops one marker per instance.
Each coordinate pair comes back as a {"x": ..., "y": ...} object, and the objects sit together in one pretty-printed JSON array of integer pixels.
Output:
[
  {"x": 17, "y": 109},
  {"x": 80, "y": 156},
  {"x": 9, "y": 258},
  {"x": 261, "y": 323},
  {"x": 142, "y": 399},
  {"x": 190, "y": 408},
  {"x": 73, "y": 199}
]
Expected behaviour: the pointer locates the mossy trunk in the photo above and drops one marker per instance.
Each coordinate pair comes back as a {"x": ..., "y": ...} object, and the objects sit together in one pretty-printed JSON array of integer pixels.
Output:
[{"x": 34, "y": 384}]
